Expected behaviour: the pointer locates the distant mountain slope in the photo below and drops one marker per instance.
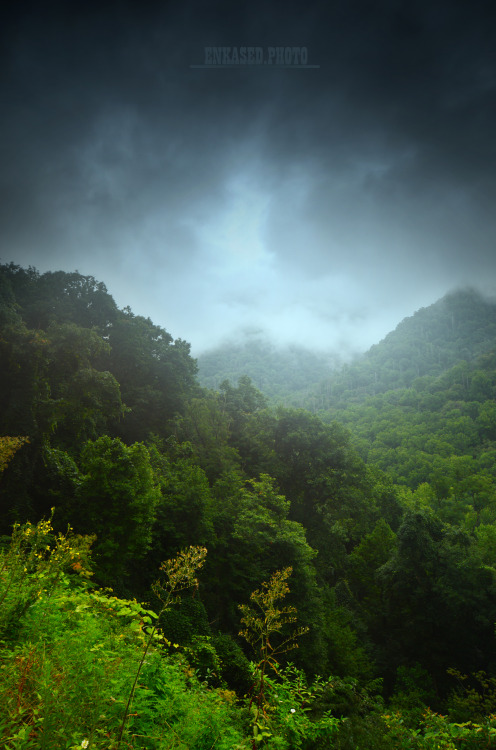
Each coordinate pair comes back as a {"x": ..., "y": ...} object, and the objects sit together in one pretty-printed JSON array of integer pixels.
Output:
[
  {"x": 441, "y": 430},
  {"x": 460, "y": 326},
  {"x": 421, "y": 406},
  {"x": 283, "y": 374}
]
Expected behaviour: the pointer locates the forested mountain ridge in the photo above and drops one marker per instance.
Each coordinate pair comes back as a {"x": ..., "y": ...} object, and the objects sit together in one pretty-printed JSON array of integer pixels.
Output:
[
  {"x": 458, "y": 327},
  {"x": 284, "y": 374},
  {"x": 102, "y": 418},
  {"x": 435, "y": 429},
  {"x": 439, "y": 434}
]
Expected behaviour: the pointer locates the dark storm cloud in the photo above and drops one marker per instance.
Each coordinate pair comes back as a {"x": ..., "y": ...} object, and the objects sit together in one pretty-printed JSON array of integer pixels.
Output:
[{"x": 305, "y": 201}]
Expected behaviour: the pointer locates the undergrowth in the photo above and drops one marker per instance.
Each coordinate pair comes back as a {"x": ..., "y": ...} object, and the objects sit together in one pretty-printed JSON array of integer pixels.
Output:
[{"x": 82, "y": 668}]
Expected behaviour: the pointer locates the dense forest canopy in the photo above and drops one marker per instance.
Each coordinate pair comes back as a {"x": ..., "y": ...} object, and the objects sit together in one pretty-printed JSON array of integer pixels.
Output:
[{"x": 380, "y": 498}]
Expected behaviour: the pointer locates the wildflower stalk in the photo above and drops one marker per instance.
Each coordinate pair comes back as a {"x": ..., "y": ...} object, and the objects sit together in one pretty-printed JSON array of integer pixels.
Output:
[
  {"x": 180, "y": 573},
  {"x": 261, "y": 624}
]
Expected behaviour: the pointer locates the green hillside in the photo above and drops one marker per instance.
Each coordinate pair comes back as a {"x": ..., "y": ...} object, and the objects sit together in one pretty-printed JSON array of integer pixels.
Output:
[
  {"x": 307, "y": 580},
  {"x": 435, "y": 425},
  {"x": 459, "y": 327}
]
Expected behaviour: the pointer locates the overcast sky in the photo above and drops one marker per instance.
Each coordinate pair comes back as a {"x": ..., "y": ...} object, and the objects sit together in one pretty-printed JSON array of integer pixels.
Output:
[{"x": 321, "y": 204}]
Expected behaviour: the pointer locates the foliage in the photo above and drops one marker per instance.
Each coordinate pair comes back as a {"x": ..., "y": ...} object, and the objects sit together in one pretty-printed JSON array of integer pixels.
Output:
[
  {"x": 183, "y": 511},
  {"x": 436, "y": 732},
  {"x": 261, "y": 626},
  {"x": 473, "y": 698},
  {"x": 116, "y": 497},
  {"x": 8, "y": 447},
  {"x": 295, "y": 713},
  {"x": 31, "y": 565},
  {"x": 155, "y": 374},
  {"x": 205, "y": 426},
  {"x": 439, "y": 603},
  {"x": 66, "y": 678},
  {"x": 180, "y": 575}
]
